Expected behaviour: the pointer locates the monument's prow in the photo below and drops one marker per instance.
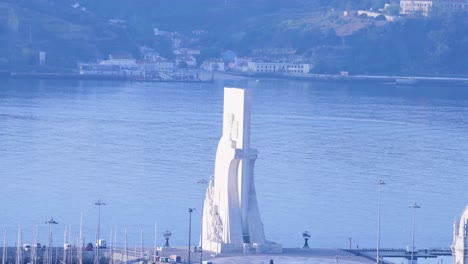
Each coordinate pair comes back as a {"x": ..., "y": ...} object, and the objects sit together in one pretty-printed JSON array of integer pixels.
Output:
[
  {"x": 231, "y": 219},
  {"x": 460, "y": 238}
]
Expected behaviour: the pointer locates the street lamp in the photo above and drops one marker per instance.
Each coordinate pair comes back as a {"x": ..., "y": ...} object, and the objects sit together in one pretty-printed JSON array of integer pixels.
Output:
[
  {"x": 306, "y": 237},
  {"x": 202, "y": 182},
  {"x": 190, "y": 210},
  {"x": 167, "y": 234},
  {"x": 349, "y": 243},
  {"x": 98, "y": 203},
  {"x": 414, "y": 206},
  {"x": 379, "y": 183},
  {"x": 50, "y": 222}
]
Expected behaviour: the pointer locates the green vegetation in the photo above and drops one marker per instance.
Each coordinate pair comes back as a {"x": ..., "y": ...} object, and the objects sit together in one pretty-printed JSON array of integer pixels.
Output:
[{"x": 317, "y": 29}]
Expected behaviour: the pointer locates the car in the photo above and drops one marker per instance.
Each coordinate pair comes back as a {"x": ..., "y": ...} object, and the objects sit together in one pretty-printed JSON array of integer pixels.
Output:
[
  {"x": 26, "y": 247},
  {"x": 89, "y": 247},
  {"x": 101, "y": 243}
]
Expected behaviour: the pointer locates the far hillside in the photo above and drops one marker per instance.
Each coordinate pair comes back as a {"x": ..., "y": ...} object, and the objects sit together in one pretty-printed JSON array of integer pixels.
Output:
[{"x": 88, "y": 30}]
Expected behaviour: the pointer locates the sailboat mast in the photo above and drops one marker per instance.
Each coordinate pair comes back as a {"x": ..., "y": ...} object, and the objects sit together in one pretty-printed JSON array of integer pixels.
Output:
[
  {"x": 34, "y": 246},
  {"x": 80, "y": 242},
  {"x": 126, "y": 245},
  {"x": 141, "y": 245},
  {"x": 19, "y": 253},
  {"x": 110, "y": 248},
  {"x": 5, "y": 246},
  {"x": 154, "y": 247},
  {"x": 65, "y": 248},
  {"x": 70, "y": 254}
]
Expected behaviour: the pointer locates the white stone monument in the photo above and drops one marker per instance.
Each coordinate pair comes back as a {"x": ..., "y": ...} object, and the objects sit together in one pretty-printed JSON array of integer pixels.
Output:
[
  {"x": 460, "y": 239},
  {"x": 231, "y": 219}
]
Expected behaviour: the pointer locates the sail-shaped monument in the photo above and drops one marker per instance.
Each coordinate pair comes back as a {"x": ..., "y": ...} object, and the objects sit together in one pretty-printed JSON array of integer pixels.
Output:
[{"x": 231, "y": 217}]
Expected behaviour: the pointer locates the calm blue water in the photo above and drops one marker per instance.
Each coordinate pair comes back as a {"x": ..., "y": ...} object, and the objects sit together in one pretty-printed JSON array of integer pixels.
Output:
[{"x": 142, "y": 147}]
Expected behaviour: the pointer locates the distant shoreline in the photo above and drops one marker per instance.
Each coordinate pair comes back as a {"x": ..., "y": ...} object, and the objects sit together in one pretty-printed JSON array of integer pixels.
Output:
[
  {"x": 184, "y": 77},
  {"x": 379, "y": 79},
  {"x": 334, "y": 78}
]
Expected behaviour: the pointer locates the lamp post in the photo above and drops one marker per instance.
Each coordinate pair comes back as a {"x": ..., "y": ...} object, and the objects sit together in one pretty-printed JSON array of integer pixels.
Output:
[
  {"x": 414, "y": 206},
  {"x": 202, "y": 182},
  {"x": 50, "y": 222},
  {"x": 99, "y": 203},
  {"x": 190, "y": 210},
  {"x": 349, "y": 243},
  {"x": 167, "y": 234},
  {"x": 379, "y": 183},
  {"x": 306, "y": 237}
]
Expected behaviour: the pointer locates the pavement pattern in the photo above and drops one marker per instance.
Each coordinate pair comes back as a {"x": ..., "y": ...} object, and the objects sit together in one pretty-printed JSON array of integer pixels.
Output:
[{"x": 316, "y": 256}]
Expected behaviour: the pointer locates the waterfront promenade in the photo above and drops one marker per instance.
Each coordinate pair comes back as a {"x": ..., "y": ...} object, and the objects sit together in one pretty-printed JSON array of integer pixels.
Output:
[
  {"x": 206, "y": 76},
  {"x": 162, "y": 255},
  {"x": 296, "y": 256}
]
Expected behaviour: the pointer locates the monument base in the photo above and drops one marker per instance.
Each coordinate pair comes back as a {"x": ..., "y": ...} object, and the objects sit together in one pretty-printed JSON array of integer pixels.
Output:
[
  {"x": 268, "y": 248},
  {"x": 254, "y": 248}
]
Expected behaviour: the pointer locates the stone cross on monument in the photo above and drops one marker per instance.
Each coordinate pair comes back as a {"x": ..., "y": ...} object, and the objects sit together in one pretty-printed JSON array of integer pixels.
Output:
[{"x": 231, "y": 218}]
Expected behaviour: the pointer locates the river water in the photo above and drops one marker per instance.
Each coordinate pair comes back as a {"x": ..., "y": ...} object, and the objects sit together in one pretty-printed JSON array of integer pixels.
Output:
[{"x": 142, "y": 147}]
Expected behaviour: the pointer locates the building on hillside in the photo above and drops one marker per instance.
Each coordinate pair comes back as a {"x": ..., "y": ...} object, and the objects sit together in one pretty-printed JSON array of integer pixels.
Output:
[
  {"x": 242, "y": 60},
  {"x": 188, "y": 51},
  {"x": 274, "y": 52},
  {"x": 162, "y": 33},
  {"x": 175, "y": 42},
  {"x": 117, "y": 64},
  {"x": 158, "y": 64},
  {"x": 189, "y": 60},
  {"x": 460, "y": 239},
  {"x": 123, "y": 59},
  {"x": 279, "y": 67},
  {"x": 456, "y": 5},
  {"x": 110, "y": 70},
  {"x": 374, "y": 15},
  {"x": 42, "y": 58},
  {"x": 151, "y": 59},
  {"x": 199, "y": 32},
  {"x": 213, "y": 65},
  {"x": 408, "y": 7},
  {"x": 424, "y": 7},
  {"x": 243, "y": 66},
  {"x": 126, "y": 65}
]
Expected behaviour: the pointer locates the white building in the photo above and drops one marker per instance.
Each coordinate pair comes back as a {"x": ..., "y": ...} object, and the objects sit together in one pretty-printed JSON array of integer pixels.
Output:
[
  {"x": 120, "y": 60},
  {"x": 213, "y": 65},
  {"x": 42, "y": 58},
  {"x": 278, "y": 67},
  {"x": 157, "y": 65},
  {"x": 424, "y": 7},
  {"x": 413, "y": 7}
]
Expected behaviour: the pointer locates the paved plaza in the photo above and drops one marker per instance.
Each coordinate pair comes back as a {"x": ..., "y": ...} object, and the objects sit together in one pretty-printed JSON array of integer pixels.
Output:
[{"x": 313, "y": 256}]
